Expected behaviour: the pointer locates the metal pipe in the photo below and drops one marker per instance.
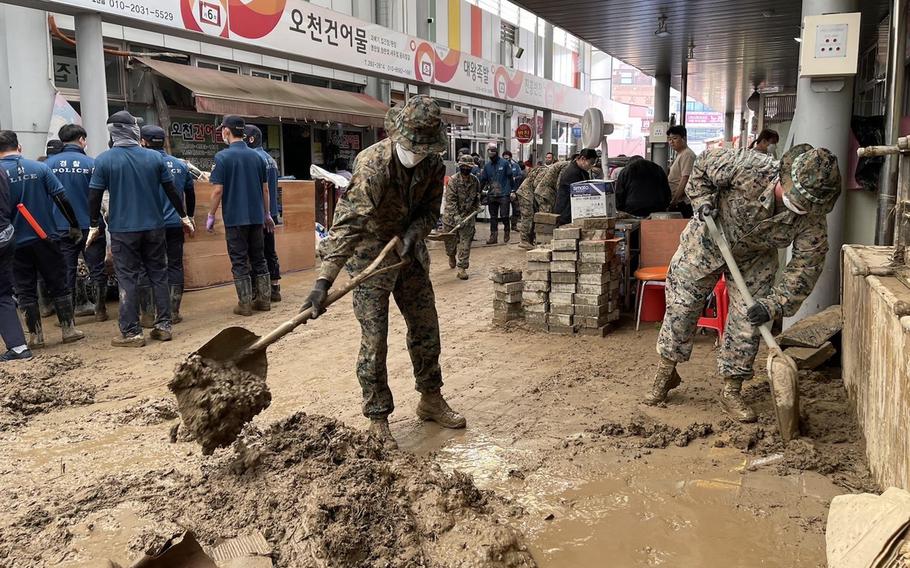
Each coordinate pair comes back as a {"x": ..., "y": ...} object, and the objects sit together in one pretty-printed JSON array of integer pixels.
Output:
[
  {"x": 887, "y": 192},
  {"x": 92, "y": 87},
  {"x": 683, "y": 90},
  {"x": 660, "y": 152}
]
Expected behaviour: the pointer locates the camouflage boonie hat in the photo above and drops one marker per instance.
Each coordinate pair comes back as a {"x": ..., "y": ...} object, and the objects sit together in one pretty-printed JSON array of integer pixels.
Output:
[
  {"x": 466, "y": 160},
  {"x": 418, "y": 126},
  {"x": 814, "y": 181}
]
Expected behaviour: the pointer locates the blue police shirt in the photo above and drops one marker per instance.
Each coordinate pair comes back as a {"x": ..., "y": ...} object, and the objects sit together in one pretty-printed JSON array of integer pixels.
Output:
[
  {"x": 133, "y": 177},
  {"x": 183, "y": 181},
  {"x": 272, "y": 172},
  {"x": 32, "y": 184},
  {"x": 499, "y": 177},
  {"x": 241, "y": 172},
  {"x": 74, "y": 170}
]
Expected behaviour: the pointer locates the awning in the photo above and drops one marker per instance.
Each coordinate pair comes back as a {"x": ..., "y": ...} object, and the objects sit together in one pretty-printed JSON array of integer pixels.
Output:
[
  {"x": 219, "y": 93},
  {"x": 455, "y": 118}
]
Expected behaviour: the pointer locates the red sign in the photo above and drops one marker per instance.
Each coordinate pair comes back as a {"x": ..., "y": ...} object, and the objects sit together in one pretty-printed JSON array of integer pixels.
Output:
[{"x": 523, "y": 133}]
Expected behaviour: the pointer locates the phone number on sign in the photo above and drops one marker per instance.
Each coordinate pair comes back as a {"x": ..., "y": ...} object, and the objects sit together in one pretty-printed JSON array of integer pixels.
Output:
[{"x": 136, "y": 8}]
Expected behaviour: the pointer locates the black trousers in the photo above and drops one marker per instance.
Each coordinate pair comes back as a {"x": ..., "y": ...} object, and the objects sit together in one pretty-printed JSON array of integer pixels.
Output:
[
  {"x": 271, "y": 255},
  {"x": 246, "y": 249},
  {"x": 39, "y": 257},
  {"x": 174, "y": 239},
  {"x": 136, "y": 255},
  {"x": 93, "y": 255},
  {"x": 10, "y": 327},
  {"x": 499, "y": 211}
]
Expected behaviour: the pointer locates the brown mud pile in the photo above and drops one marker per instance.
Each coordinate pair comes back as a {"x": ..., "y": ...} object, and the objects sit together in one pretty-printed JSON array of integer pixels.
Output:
[
  {"x": 143, "y": 412},
  {"x": 39, "y": 385},
  {"x": 322, "y": 494},
  {"x": 655, "y": 434},
  {"x": 215, "y": 401}
]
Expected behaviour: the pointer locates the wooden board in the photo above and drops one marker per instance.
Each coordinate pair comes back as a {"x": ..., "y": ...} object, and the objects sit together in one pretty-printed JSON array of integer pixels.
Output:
[{"x": 815, "y": 330}]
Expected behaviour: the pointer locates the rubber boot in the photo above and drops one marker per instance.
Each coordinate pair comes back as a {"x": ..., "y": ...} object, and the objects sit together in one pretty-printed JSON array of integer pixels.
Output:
[
  {"x": 276, "y": 292},
  {"x": 244, "y": 287},
  {"x": 452, "y": 261},
  {"x": 263, "y": 302},
  {"x": 433, "y": 406},
  {"x": 494, "y": 238},
  {"x": 101, "y": 302},
  {"x": 731, "y": 399},
  {"x": 506, "y": 235},
  {"x": 44, "y": 303},
  {"x": 67, "y": 317},
  {"x": 176, "y": 291},
  {"x": 32, "y": 315},
  {"x": 462, "y": 274},
  {"x": 379, "y": 427},
  {"x": 665, "y": 380},
  {"x": 146, "y": 307},
  {"x": 82, "y": 300}
]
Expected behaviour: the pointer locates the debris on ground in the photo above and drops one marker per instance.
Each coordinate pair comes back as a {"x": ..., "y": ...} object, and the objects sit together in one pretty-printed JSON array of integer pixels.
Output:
[
  {"x": 655, "y": 434},
  {"x": 810, "y": 358},
  {"x": 814, "y": 330},
  {"x": 215, "y": 401},
  {"x": 38, "y": 385},
  {"x": 144, "y": 412}
]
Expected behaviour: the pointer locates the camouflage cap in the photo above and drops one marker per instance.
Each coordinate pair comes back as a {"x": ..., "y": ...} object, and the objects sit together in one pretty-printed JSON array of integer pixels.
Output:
[
  {"x": 814, "y": 181},
  {"x": 466, "y": 160},
  {"x": 418, "y": 126}
]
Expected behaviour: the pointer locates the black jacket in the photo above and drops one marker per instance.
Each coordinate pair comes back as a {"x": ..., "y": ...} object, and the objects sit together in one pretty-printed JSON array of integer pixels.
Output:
[
  {"x": 563, "y": 207},
  {"x": 642, "y": 188}
]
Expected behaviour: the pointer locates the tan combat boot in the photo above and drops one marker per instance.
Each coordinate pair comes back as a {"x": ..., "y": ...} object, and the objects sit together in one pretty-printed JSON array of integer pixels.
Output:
[
  {"x": 379, "y": 427},
  {"x": 494, "y": 238},
  {"x": 665, "y": 380},
  {"x": 434, "y": 407},
  {"x": 462, "y": 274},
  {"x": 525, "y": 245},
  {"x": 731, "y": 399}
]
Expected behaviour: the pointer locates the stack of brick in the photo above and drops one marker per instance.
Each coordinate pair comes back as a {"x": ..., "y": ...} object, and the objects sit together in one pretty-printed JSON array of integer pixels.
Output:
[
  {"x": 563, "y": 267},
  {"x": 507, "y": 294},
  {"x": 535, "y": 296},
  {"x": 544, "y": 225},
  {"x": 599, "y": 274}
]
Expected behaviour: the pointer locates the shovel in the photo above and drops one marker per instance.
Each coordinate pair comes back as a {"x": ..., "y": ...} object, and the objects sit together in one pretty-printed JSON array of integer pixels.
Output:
[
  {"x": 782, "y": 371},
  {"x": 454, "y": 232}
]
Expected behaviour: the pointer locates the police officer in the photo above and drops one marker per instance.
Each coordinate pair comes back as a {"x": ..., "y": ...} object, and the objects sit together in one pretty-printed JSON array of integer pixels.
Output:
[
  {"x": 74, "y": 170},
  {"x": 10, "y": 328},
  {"x": 153, "y": 138},
  {"x": 254, "y": 140},
  {"x": 241, "y": 183},
  {"x": 497, "y": 178},
  {"x": 34, "y": 187},
  {"x": 133, "y": 177}
]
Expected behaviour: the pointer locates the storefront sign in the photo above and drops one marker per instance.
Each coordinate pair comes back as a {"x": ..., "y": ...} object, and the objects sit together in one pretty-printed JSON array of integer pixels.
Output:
[
  {"x": 298, "y": 28},
  {"x": 523, "y": 133},
  {"x": 196, "y": 140}
]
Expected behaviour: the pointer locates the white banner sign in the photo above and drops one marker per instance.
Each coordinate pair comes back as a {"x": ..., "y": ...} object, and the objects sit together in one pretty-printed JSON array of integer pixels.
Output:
[{"x": 303, "y": 30}]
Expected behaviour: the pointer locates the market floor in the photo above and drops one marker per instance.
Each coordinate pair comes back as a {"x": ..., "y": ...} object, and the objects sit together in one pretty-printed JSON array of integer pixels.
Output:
[{"x": 536, "y": 406}]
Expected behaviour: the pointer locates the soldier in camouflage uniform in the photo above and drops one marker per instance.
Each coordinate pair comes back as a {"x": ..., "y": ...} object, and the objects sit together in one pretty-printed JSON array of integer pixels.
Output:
[
  {"x": 762, "y": 206},
  {"x": 396, "y": 191},
  {"x": 462, "y": 199},
  {"x": 528, "y": 207},
  {"x": 547, "y": 184}
]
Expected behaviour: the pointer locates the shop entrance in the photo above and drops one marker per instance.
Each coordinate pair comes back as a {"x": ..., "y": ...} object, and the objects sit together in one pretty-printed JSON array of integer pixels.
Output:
[{"x": 298, "y": 150}]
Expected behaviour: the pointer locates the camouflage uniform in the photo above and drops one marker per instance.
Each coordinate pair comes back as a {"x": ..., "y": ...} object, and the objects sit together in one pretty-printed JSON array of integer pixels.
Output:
[
  {"x": 386, "y": 200},
  {"x": 527, "y": 205},
  {"x": 547, "y": 184},
  {"x": 462, "y": 198},
  {"x": 740, "y": 186}
]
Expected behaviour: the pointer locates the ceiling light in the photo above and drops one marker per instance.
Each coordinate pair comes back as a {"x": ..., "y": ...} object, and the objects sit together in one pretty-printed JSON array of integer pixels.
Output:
[
  {"x": 691, "y": 54},
  {"x": 662, "y": 30}
]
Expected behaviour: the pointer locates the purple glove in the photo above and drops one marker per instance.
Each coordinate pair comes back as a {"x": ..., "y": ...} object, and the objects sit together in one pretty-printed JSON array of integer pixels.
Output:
[{"x": 210, "y": 223}]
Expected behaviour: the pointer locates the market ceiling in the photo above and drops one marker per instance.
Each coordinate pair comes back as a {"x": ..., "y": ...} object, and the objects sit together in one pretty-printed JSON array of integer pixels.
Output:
[{"x": 738, "y": 43}]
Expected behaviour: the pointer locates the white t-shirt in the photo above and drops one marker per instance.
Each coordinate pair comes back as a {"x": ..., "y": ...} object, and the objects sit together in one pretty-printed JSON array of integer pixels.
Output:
[{"x": 681, "y": 167}]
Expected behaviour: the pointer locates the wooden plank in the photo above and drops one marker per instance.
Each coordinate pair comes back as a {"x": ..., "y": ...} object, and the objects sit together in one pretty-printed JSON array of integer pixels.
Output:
[{"x": 814, "y": 330}]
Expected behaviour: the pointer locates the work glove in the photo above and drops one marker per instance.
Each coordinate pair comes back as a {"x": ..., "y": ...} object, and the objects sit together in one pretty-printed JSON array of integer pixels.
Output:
[
  {"x": 317, "y": 297},
  {"x": 75, "y": 235},
  {"x": 758, "y": 315},
  {"x": 706, "y": 210},
  {"x": 189, "y": 227},
  {"x": 407, "y": 242},
  {"x": 269, "y": 224},
  {"x": 93, "y": 233},
  {"x": 210, "y": 223}
]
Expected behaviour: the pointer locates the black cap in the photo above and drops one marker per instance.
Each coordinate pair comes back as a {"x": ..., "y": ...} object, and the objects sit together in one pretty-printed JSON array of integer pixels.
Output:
[
  {"x": 54, "y": 147},
  {"x": 153, "y": 134},
  {"x": 253, "y": 136},
  {"x": 124, "y": 117},
  {"x": 234, "y": 123},
  {"x": 588, "y": 154}
]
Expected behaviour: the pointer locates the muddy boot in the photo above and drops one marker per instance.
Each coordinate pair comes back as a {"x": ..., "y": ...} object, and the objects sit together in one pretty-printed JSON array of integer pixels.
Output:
[
  {"x": 434, "y": 407},
  {"x": 452, "y": 261},
  {"x": 494, "y": 238},
  {"x": 462, "y": 274},
  {"x": 263, "y": 301},
  {"x": 525, "y": 245},
  {"x": 276, "y": 292},
  {"x": 130, "y": 341},
  {"x": 731, "y": 399},
  {"x": 507, "y": 235},
  {"x": 32, "y": 315},
  {"x": 64, "y": 308},
  {"x": 244, "y": 305},
  {"x": 161, "y": 334},
  {"x": 176, "y": 293},
  {"x": 82, "y": 300},
  {"x": 146, "y": 307},
  {"x": 379, "y": 427},
  {"x": 100, "y": 295},
  {"x": 665, "y": 380}
]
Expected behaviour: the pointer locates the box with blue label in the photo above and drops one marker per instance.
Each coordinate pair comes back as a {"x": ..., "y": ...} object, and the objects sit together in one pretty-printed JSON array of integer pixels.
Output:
[{"x": 594, "y": 198}]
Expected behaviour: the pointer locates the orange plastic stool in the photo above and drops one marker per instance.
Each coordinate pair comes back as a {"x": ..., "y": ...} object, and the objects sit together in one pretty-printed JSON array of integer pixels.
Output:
[
  {"x": 718, "y": 320},
  {"x": 648, "y": 276}
]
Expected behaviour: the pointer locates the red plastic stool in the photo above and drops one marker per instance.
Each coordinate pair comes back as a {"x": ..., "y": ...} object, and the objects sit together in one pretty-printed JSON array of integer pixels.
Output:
[
  {"x": 651, "y": 294},
  {"x": 718, "y": 319}
]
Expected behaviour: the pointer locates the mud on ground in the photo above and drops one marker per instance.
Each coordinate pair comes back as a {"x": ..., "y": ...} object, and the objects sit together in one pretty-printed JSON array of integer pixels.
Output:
[{"x": 39, "y": 385}]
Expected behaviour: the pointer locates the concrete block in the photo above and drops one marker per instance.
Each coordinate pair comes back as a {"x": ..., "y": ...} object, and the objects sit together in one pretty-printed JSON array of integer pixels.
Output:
[
  {"x": 507, "y": 297},
  {"x": 594, "y": 289},
  {"x": 559, "y": 319},
  {"x": 568, "y": 233},
  {"x": 592, "y": 246},
  {"x": 562, "y": 309},
  {"x": 595, "y": 223},
  {"x": 509, "y": 288},
  {"x": 562, "y": 277},
  {"x": 543, "y": 239},
  {"x": 602, "y": 331},
  {"x": 591, "y": 299},
  {"x": 596, "y": 235},
  {"x": 505, "y": 275},
  {"x": 562, "y": 297},
  {"x": 591, "y": 322},
  {"x": 564, "y": 244},
  {"x": 592, "y": 311},
  {"x": 541, "y": 308},
  {"x": 559, "y": 329},
  {"x": 535, "y": 265},
  {"x": 544, "y": 230},
  {"x": 536, "y": 286},
  {"x": 811, "y": 357},
  {"x": 540, "y": 255},
  {"x": 560, "y": 287},
  {"x": 537, "y": 276},
  {"x": 562, "y": 266},
  {"x": 592, "y": 268},
  {"x": 546, "y": 218},
  {"x": 504, "y": 306},
  {"x": 599, "y": 278},
  {"x": 534, "y": 297},
  {"x": 562, "y": 255},
  {"x": 536, "y": 318},
  {"x": 598, "y": 257}
]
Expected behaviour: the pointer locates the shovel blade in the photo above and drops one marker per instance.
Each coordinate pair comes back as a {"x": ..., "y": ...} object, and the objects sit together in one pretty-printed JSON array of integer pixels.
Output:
[
  {"x": 784, "y": 379},
  {"x": 229, "y": 347}
]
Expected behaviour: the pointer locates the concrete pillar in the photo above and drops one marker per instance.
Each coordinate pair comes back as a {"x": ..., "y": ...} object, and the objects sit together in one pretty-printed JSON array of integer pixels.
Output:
[
  {"x": 423, "y": 32},
  {"x": 27, "y": 96},
  {"x": 660, "y": 153},
  {"x": 823, "y": 111},
  {"x": 92, "y": 86},
  {"x": 547, "y": 134},
  {"x": 729, "y": 119},
  {"x": 380, "y": 89}
]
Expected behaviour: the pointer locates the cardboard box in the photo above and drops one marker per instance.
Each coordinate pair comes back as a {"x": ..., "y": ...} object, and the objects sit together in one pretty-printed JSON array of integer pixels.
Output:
[
  {"x": 564, "y": 244},
  {"x": 594, "y": 198},
  {"x": 562, "y": 266},
  {"x": 562, "y": 297},
  {"x": 567, "y": 233},
  {"x": 540, "y": 255}
]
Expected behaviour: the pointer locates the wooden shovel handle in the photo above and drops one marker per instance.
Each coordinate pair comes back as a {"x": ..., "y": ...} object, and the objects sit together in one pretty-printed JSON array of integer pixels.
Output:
[{"x": 335, "y": 295}]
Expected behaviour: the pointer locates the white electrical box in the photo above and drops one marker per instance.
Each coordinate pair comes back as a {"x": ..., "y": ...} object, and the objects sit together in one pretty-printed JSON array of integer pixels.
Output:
[
  {"x": 658, "y": 133},
  {"x": 830, "y": 45}
]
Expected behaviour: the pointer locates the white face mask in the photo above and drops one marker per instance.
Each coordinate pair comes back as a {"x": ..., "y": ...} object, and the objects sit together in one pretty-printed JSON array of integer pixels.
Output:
[
  {"x": 772, "y": 149},
  {"x": 789, "y": 205},
  {"x": 407, "y": 158}
]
